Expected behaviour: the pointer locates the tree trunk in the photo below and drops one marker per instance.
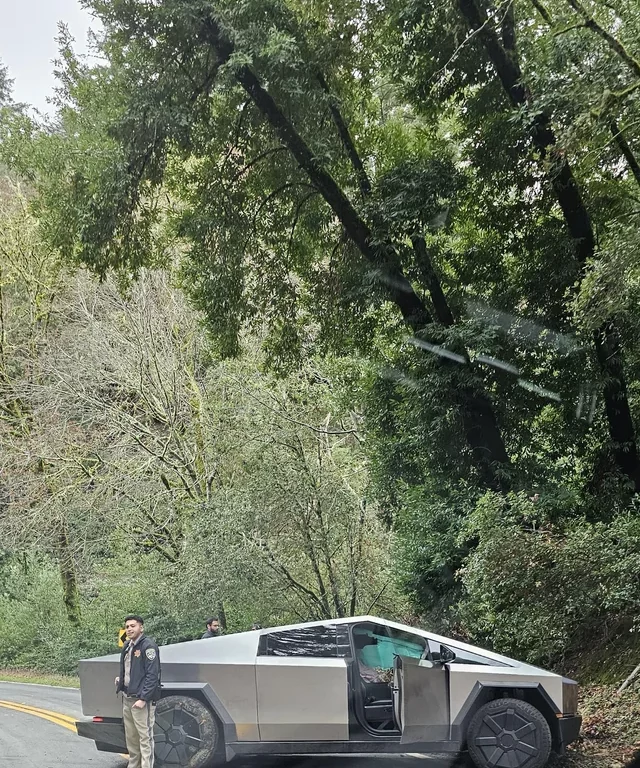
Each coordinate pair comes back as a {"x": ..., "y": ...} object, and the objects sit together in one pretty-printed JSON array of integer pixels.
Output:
[
  {"x": 565, "y": 187},
  {"x": 68, "y": 576},
  {"x": 314, "y": 561},
  {"x": 617, "y": 403},
  {"x": 326, "y": 555},
  {"x": 356, "y": 558},
  {"x": 479, "y": 421},
  {"x": 222, "y": 615}
]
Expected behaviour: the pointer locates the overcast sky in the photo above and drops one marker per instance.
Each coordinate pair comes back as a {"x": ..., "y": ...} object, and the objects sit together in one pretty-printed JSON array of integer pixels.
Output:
[{"x": 28, "y": 29}]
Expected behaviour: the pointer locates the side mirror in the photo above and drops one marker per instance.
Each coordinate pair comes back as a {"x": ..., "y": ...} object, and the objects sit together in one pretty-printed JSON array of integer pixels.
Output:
[
  {"x": 446, "y": 655},
  {"x": 439, "y": 654}
]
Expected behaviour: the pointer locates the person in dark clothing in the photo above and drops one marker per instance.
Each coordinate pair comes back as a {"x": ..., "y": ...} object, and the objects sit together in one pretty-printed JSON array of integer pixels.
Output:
[
  {"x": 213, "y": 629},
  {"x": 139, "y": 681}
]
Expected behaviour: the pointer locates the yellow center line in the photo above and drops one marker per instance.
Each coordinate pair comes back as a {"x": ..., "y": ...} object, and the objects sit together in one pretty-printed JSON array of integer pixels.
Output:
[
  {"x": 63, "y": 720},
  {"x": 41, "y": 711}
]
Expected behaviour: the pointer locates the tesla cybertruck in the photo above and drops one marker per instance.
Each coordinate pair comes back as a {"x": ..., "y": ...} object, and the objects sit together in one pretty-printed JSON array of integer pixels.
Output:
[{"x": 357, "y": 685}]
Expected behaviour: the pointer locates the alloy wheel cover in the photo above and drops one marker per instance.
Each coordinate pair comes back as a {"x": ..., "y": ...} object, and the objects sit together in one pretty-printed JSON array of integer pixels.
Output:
[
  {"x": 180, "y": 733},
  {"x": 507, "y": 739}
]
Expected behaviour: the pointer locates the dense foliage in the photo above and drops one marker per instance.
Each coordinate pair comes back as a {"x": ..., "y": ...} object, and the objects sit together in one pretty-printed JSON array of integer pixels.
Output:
[{"x": 407, "y": 365}]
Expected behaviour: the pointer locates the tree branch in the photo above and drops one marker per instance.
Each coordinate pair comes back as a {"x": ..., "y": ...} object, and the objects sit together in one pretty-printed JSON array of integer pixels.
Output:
[
  {"x": 356, "y": 558},
  {"x": 509, "y": 29},
  {"x": 257, "y": 159},
  {"x": 443, "y": 312},
  {"x": 296, "y": 216},
  {"x": 293, "y": 582},
  {"x": 377, "y": 597},
  {"x": 440, "y": 304},
  {"x": 347, "y": 140},
  {"x": 625, "y": 150},
  {"x": 542, "y": 11},
  {"x": 397, "y": 286},
  {"x": 612, "y": 42},
  {"x": 568, "y": 29},
  {"x": 560, "y": 174}
]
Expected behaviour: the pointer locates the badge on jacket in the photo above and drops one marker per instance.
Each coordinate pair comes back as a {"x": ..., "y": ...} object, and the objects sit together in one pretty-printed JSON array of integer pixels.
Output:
[
  {"x": 150, "y": 653},
  {"x": 136, "y": 654}
]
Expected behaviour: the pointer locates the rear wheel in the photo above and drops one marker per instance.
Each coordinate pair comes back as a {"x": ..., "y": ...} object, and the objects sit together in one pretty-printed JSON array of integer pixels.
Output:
[
  {"x": 186, "y": 733},
  {"x": 508, "y": 733}
]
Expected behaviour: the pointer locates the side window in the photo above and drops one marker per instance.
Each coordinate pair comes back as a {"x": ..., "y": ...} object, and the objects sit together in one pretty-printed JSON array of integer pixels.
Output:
[
  {"x": 315, "y": 642},
  {"x": 407, "y": 644},
  {"x": 461, "y": 657},
  {"x": 376, "y": 646},
  {"x": 466, "y": 657}
]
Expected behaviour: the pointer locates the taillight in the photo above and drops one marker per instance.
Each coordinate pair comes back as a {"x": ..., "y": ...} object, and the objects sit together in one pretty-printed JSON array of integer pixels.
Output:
[{"x": 98, "y": 719}]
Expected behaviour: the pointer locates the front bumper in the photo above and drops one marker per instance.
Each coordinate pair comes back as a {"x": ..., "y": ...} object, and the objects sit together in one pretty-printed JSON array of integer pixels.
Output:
[
  {"x": 108, "y": 734},
  {"x": 569, "y": 730}
]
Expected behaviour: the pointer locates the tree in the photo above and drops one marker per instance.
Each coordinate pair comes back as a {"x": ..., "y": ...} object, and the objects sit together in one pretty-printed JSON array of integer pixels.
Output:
[
  {"x": 407, "y": 233},
  {"x": 267, "y": 180},
  {"x": 124, "y": 440},
  {"x": 272, "y": 207},
  {"x": 31, "y": 280},
  {"x": 504, "y": 56},
  {"x": 6, "y": 85}
]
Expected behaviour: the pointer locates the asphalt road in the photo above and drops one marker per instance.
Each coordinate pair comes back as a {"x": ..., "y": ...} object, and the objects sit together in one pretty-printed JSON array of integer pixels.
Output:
[{"x": 29, "y": 741}]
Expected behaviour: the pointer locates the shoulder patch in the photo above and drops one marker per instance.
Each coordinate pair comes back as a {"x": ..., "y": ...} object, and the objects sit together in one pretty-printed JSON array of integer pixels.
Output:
[{"x": 150, "y": 653}]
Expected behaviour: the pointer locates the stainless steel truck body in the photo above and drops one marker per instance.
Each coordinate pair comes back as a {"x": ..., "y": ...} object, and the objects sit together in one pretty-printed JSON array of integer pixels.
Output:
[{"x": 353, "y": 685}]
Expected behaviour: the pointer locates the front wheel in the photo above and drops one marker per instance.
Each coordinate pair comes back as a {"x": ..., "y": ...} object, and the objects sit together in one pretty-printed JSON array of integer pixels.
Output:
[
  {"x": 508, "y": 733},
  {"x": 186, "y": 734}
]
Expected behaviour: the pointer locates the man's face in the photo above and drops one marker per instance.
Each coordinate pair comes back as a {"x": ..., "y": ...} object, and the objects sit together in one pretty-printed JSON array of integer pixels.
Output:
[
  {"x": 133, "y": 629},
  {"x": 214, "y": 627}
]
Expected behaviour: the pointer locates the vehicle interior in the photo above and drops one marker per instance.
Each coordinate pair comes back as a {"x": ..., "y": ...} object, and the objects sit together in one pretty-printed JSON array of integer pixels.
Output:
[{"x": 375, "y": 648}]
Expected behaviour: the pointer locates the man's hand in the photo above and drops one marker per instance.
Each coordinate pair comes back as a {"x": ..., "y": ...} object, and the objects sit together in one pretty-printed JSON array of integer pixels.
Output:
[
  {"x": 140, "y": 704},
  {"x": 117, "y": 681}
]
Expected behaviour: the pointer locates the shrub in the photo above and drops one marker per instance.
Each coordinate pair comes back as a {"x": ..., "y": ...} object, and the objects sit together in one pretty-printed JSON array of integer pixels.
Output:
[{"x": 539, "y": 590}]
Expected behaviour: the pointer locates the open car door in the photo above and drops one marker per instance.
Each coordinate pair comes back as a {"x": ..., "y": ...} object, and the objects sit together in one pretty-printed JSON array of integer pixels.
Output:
[{"x": 421, "y": 700}]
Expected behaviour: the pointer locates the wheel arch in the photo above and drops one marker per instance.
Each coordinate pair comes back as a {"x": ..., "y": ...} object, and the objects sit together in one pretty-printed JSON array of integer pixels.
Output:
[{"x": 531, "y": 692}]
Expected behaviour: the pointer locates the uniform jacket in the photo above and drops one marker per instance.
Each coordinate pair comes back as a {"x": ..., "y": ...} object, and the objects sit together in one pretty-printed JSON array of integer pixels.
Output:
[{"x": 144, "y": 680}]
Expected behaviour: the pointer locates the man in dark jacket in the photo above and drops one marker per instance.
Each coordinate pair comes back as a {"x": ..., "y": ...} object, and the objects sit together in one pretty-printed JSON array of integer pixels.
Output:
[
  {"x": 139, "y": 681},
  {"x": 213, "y": 629}
]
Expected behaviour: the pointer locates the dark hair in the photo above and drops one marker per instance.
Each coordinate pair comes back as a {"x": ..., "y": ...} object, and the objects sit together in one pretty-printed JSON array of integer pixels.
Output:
[
  {"x": 134, "y": 617},
  {"x": 212, "y": 619}
]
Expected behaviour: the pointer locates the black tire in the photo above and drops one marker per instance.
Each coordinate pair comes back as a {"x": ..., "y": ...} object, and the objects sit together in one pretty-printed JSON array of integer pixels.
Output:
[
  {"x": 507, "y": 733},
  {"x": 186, "y": 733}
]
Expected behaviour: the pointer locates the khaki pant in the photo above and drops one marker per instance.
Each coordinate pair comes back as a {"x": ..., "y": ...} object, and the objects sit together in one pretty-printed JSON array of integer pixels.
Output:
[{"x": 138, "y": 729}]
